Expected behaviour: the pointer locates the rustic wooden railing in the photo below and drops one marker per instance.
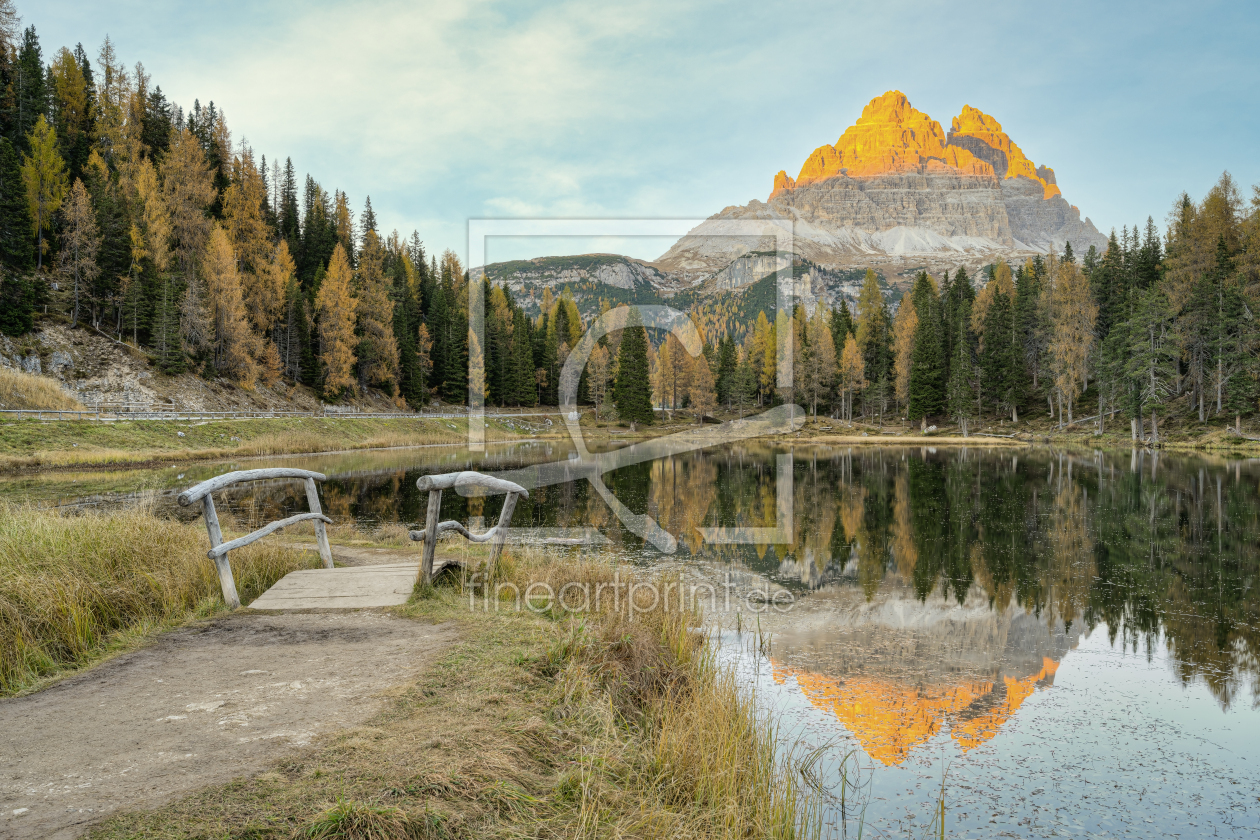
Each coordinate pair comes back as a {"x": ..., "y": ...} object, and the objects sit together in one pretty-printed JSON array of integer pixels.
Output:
[
  {"x": 468, "y": 484},
  {"x": 219, "y": 549}
]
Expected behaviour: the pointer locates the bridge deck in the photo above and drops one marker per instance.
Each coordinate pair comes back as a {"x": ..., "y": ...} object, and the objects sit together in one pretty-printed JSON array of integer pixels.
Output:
[{"x": 352, "y": 587}]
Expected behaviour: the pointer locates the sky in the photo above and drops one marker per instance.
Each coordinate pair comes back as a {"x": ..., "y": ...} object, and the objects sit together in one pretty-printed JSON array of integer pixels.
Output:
[{"x": 448, "y": 111}]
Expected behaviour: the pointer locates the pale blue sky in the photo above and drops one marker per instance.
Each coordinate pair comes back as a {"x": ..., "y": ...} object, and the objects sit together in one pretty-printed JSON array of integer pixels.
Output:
[{"x": 447, "y": 111}]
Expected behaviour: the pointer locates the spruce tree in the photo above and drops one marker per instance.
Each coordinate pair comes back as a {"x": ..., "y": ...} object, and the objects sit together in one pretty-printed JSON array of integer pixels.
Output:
[
  {"x": 632, "y": 392},
  {"x": 30, "y": 90},
  {"x": 727, "y": 362},
  {"x": 959, "y": 400},
  {"x": 927, "y": 368},
  {"x": 16, "y": 249}
]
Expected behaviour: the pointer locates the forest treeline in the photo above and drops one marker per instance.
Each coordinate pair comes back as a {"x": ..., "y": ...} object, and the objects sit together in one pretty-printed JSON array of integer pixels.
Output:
[{"x": 124, "y": 213}]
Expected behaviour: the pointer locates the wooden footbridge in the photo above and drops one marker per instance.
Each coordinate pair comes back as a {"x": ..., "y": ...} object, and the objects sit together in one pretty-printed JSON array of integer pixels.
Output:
[{"x": 383, "y": 585}]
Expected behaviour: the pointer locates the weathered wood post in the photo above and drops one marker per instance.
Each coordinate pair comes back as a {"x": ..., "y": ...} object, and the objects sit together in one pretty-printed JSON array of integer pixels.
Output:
[
  {"x": 500, "y": 532},
  {"x": 216, "y": 539},
  {"x": 321, "y": 534},
  {"x": 219, "y": 550},
  {"x": 430, "y": 536}
]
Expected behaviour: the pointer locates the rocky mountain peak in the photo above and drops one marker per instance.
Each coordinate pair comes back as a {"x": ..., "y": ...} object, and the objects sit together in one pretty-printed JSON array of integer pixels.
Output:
[
  {"x": 891, "y": 137},
  {"x": 982, "y": 135}
]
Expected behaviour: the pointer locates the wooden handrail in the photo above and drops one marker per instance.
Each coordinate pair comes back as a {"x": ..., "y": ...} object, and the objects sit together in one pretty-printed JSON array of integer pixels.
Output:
[
  {"x": 219, "y": 482},
  {"x": 270, "y": 528},
  {"x": 467, "y": 483},
  {"x": 204, "y": 492}
]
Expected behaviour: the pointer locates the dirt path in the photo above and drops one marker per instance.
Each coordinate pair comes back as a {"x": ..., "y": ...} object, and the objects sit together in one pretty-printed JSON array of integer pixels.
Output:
[{"x": 204, "y": 704}]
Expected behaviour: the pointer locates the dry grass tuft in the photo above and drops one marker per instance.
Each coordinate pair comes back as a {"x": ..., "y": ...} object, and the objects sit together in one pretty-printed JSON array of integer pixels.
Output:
[
  {"x": 348, "y": 820},
  {"x": 26, "y": 390},
  {"x": 69, "y": 584},
  {"x": 676, "y": 747}
]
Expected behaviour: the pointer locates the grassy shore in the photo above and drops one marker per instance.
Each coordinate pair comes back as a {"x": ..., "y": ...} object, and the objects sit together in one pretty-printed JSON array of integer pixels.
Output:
[
  {"x": 33, "y": 444},
  {"x": 74, "y": 589},
  {"x": 537, "y": 723}
]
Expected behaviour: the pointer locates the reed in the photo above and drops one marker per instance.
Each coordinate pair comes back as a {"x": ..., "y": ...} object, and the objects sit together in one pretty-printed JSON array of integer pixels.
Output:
[
  {"x": 73, "y": 586},
  {"x": 26, "y": 390}
]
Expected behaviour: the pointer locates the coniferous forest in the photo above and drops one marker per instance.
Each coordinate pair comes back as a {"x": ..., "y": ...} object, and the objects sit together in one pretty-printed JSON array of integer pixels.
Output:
[{"x": 127, "y": 214}]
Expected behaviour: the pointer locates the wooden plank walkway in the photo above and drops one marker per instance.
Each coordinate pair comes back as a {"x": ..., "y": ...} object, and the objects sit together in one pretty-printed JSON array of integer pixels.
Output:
[{"x": 352, "y": 587}]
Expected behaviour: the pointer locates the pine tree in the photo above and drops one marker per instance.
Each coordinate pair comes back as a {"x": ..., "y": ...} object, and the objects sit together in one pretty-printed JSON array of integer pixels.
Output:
[
  {"x": 960, "y": 371},
  {"x": 30, "y": 90},
  {"x": 874, "y": 336},
  {"x": 80, "y": 242},
  {"x": 728, "y": 360},
  {"x": 335, "y": 307},
  {"x": 632, "y": 393},
  {"x": 927, "y": 383},
  {"x": 15, "y": 214},
  {"x": 999, "y": 358},
  {"x": 44, "y": 175}
]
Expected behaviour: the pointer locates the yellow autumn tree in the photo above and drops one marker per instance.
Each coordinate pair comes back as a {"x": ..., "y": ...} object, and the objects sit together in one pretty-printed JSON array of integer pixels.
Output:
[
  {"x": 378, "y": 351},
  {"x": 818, "y": 367},
  {"x": 1073, "y": 314},
  {"x": 852, "y": 374},
  {"x": 701, "y": 391},
  {"x": 335, "y": 306},
  {"x": 232, "y": 342},
  {"x": 44, "y": 174},
  {"x": 904, "y": 326},
  {"x": 598, "y": 375}
]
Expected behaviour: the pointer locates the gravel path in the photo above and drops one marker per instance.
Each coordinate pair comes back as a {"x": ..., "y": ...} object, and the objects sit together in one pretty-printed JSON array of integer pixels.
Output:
[{"x": 204, "y": 704}]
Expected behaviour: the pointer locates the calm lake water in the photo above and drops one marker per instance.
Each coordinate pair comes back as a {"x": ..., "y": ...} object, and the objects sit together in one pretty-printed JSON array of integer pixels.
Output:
[{"x": 1072, "y": 640}]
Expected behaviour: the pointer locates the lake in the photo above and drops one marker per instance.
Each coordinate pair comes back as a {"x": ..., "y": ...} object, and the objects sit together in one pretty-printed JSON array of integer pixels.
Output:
[{"x": 1069, "y": 640}]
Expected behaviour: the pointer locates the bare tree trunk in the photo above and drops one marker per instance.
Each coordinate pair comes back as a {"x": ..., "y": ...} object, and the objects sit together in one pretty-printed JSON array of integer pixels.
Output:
[
  {"x": 1154, "y": 427},
  {"x": 964, "y": 426},
  {"x": 1220, "y": 373},
  {"x": 1059, "y": 398},
  {"x": 1133, "y": 433},
  {"x": 1238, "y": 423},
  {"x": 1014, "y": 414}
]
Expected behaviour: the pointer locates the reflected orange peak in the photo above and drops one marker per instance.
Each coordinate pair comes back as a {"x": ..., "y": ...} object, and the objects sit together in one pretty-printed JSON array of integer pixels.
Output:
[{"x": 889, "y": 719}]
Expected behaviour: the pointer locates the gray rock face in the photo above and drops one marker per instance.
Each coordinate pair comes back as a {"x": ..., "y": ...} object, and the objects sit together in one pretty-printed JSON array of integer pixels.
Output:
[
  {"x": 31, "y": 364},
  {"x": 948, "y": 204},
  {"x": 1046, "y": 223}
]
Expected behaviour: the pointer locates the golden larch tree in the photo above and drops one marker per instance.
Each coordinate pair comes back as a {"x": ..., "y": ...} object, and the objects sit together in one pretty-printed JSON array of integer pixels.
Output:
[
  {"x": 80, "y": 242},
  {"x": 820, "y": 358},
  {"x": 1073, "y": 314},
  {"x": 904, "y": 326},
  {"x": 232, "y": 341},
  {"x": 44, "y": 174},
  {"x": 1001, "y": 282},
  {"x": 378, "y": 351},
  {"x": 852, "y": 374},
  {"x": 701, "y": 390},
  {"x": 335, "y": 306}
]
